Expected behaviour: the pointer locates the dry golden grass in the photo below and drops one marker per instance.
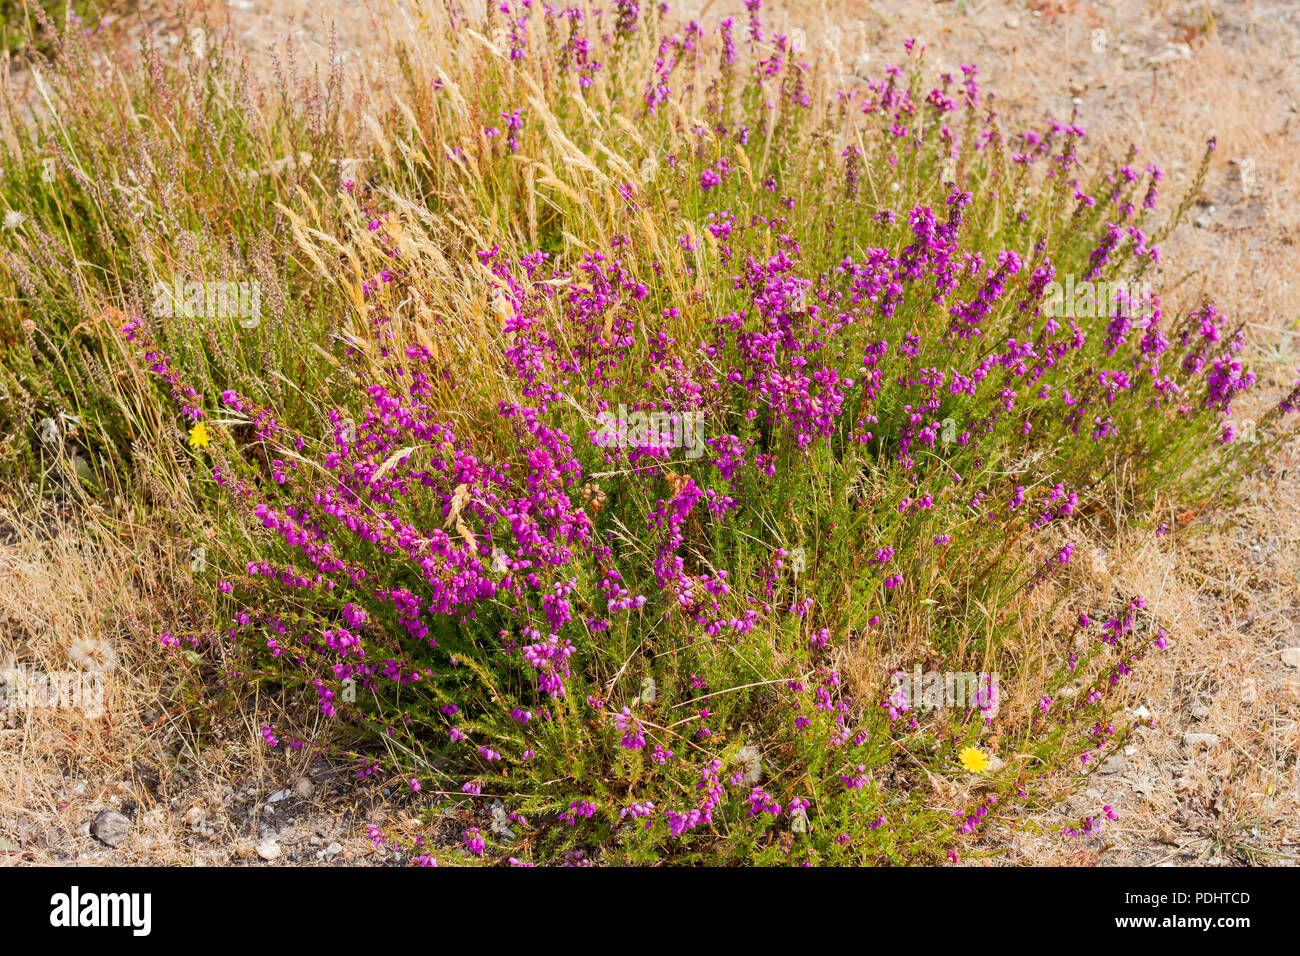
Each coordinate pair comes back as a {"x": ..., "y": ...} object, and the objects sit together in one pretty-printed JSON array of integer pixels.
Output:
[
  {"x": 85, "y": 591},
  {"x": 76, "y": 599}
]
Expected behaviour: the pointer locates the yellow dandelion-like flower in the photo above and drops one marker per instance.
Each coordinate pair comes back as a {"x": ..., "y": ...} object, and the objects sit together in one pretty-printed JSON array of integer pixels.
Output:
[
  {"x": 199, "y": 437},
  {"x": 974, "y": 759}
]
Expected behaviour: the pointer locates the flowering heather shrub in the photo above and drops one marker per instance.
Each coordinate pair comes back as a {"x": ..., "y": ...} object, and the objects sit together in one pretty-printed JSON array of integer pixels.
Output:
[{"x": 697, "y": 397}]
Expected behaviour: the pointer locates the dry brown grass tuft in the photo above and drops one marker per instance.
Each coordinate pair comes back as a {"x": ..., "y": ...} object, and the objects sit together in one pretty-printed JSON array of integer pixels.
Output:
[
  {"x": 79, "y": 599},
  {"x": 83, "y": 591}
]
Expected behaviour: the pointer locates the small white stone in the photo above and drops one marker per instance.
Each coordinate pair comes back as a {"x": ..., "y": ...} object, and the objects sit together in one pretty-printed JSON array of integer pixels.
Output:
[
  {"x": 110, "y": 827},
  {"x": 1114, "y": 764}
]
